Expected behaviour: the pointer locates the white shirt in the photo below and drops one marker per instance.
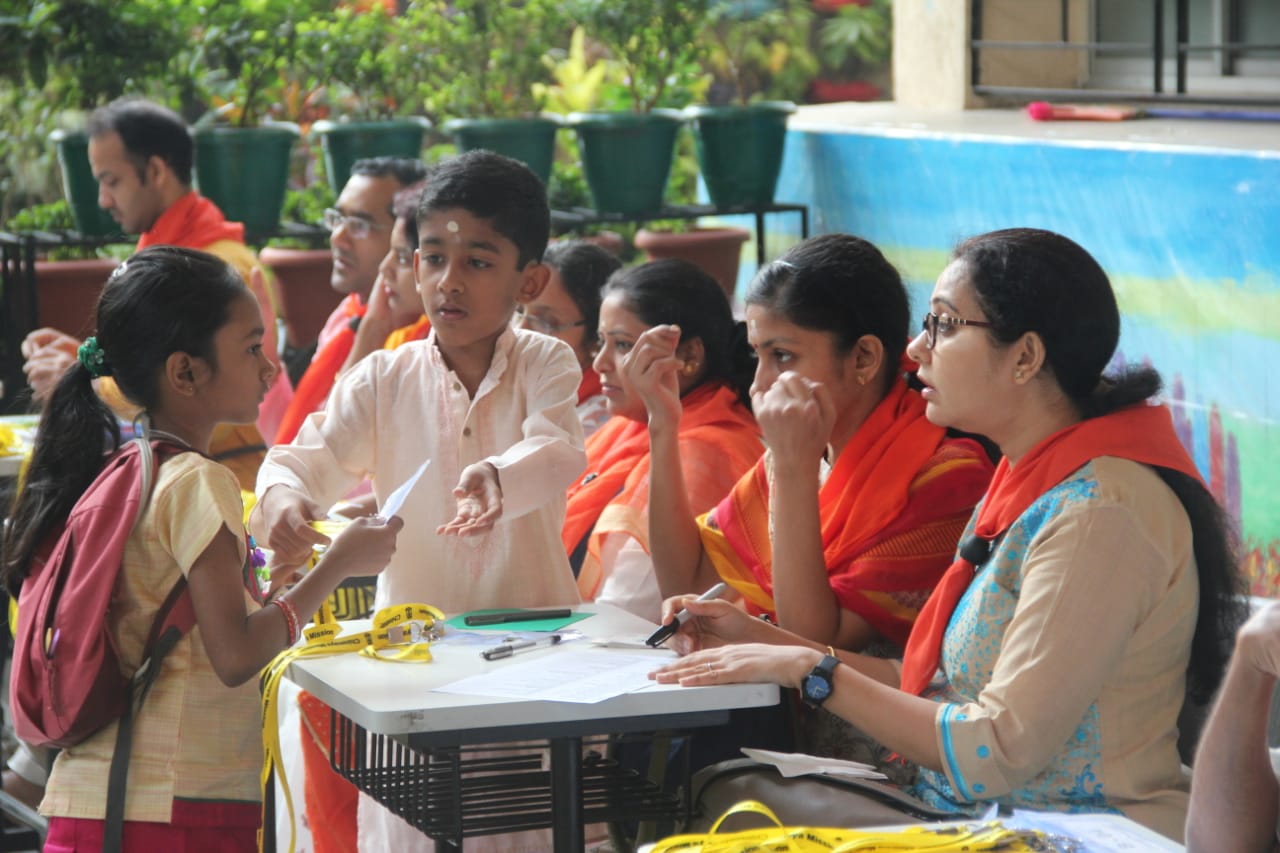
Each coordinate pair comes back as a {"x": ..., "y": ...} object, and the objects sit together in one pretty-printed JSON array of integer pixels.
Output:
[{"x": 397, "y": 408}]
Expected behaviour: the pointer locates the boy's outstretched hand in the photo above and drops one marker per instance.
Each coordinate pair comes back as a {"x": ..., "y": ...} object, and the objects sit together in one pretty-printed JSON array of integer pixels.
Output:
[{"x": 479, "y": 497}]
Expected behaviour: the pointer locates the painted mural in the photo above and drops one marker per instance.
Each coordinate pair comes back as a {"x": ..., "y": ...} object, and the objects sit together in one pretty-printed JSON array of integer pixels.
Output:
[{"x": 1190, "y": 238}]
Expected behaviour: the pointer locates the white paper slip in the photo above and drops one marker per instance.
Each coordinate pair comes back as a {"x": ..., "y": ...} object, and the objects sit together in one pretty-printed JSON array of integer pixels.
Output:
[
  {"x": 623, "y": 641},
  {"x": 1094, "y": 833},
  {"x": 557, "y": 674},
  {"x": 800, "y": 764},
  {"x": 395, "y": 500}
]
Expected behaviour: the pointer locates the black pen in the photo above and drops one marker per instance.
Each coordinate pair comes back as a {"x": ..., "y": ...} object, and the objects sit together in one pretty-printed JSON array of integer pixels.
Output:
[
  {"x": 508, "y": 649},
  {"x": 501, "y": 617},
  {"x": 668, "y": 630}
]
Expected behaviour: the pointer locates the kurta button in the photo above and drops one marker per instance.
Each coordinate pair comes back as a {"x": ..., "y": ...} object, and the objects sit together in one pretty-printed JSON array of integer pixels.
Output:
[
  {"x": 457, "y": 386},
  {"x": 466, "y": 431}
]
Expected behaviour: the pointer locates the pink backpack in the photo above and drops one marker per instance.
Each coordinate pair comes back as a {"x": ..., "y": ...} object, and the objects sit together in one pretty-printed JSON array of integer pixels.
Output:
[{"x": 67, "y": 680}]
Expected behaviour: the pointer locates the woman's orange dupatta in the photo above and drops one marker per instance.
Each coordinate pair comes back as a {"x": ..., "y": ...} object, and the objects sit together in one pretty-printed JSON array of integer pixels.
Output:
[
  {"x": 1140, "y": 433},
  {"x": 867, "y": 491},
  {"x": 314, "y": 387},
  {"x": 618, "y": 467}
]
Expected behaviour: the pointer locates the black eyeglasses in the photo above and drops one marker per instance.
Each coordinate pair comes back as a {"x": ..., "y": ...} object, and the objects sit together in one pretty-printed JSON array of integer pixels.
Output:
[
  {"x": 933, "y": 322},
  {"x": 357, "y": 227}
]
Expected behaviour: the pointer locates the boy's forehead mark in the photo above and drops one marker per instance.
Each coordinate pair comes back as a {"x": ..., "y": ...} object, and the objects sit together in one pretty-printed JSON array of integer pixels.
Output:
[{"x": 451, "y": 226}]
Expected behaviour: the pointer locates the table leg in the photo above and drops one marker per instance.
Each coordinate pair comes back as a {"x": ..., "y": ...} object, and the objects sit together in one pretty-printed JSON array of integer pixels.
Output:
[
  {"x": 566, "y": 795},
  {"x": 269, "y": 814}
]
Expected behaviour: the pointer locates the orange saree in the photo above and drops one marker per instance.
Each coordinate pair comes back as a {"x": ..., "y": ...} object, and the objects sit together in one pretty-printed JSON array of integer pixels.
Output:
[
  {"x": 717, "y": 435},
  {"x": 891, "y": 511}
]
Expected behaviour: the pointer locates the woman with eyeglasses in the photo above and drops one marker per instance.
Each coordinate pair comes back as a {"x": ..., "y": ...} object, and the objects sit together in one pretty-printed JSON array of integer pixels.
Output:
[
  {"x": 841, "y": 530},
  {"x": 606, "y": 530},
  {"x": 568, "y": 308},
  {"x": 1095, "y": 590},
  {"x": 395, "y": 313}
]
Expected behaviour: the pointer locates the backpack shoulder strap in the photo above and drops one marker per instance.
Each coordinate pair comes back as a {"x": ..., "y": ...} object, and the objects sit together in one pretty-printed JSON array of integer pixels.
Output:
[{"x": 173, "y": 621}]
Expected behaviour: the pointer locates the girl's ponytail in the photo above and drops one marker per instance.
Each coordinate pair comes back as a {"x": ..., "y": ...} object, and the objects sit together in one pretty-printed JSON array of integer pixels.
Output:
[{"x": 76, "y": 432}]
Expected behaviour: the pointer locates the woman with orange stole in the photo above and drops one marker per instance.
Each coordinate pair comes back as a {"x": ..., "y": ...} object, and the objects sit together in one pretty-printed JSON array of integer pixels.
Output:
[
  {"x": 842, "y": 529},
  {"x": 606, "y": 529}
]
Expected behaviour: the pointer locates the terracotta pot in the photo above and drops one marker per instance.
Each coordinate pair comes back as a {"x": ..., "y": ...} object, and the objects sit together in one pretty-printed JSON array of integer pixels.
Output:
[
  {"x": 67, "y": 293},
  {"x": 302, "y": 288},
  {"x": 716, "y": 250}
]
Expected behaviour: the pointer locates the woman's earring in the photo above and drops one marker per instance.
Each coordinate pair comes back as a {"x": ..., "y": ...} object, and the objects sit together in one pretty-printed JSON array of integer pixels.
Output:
[
  {"x": 690, "y": 368},
  {"x": 1018, "y": 374},
  {"x": 862, "y": 380}
]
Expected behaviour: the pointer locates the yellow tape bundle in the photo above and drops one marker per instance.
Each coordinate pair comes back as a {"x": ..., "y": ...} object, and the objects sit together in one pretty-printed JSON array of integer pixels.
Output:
[
  {"x": 808, "y": 839},
  {"x": 400, "y": 634}
]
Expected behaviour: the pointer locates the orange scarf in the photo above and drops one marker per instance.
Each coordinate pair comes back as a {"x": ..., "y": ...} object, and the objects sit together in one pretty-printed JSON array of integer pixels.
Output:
[
  {"x": 1140, "y": 433},
  {"x": 192, "y": 221},
  {"x": 314, "y": 387},
  {"x": 415, "y": 331},
  {"x": 618, "y": 462},
  {"x": 867, "y": 491}
]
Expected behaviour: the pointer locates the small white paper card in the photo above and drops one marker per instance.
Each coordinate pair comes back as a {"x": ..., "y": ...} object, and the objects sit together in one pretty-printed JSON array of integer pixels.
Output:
[
  {"x": 799, "y": 764},
  {"x": 395, "y": 500},
  {"x": 561, "y": 675}
]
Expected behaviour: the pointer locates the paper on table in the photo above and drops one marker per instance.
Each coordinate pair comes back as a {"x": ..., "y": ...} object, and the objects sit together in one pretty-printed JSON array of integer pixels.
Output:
[
  {"x": 561, "y": 675},
  {"x": 798, "y": 764},
  {"x": 395, "y": 500},
  {"x": 625, "y": 641},
  {"x": 1094, "y": 833}
]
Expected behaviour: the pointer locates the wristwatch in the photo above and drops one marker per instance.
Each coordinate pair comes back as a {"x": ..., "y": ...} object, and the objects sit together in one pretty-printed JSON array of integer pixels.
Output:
[{"x": 816, "y": 687}]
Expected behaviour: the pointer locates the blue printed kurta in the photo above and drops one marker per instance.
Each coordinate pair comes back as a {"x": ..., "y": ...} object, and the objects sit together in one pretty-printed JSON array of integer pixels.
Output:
[{"x": 1065, "y": 660}]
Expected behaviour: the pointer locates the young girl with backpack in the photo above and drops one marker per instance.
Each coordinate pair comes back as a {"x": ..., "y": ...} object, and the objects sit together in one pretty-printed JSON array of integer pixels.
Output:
[{"x": 181, "y": 335}]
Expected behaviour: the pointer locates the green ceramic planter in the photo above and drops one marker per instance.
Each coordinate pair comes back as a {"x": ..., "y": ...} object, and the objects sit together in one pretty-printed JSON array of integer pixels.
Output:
[
  {"x": 627, "y": 158},
  {"x": 740, "y": 150},
  {"x": 532, "y": 141},
  {"x": 79, "y": 186},
  {"x": 344, "y": 143},
  {"x": 245, "y": 171}
]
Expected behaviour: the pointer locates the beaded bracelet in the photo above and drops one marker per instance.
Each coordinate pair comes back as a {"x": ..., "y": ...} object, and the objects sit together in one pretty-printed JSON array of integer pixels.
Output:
[{"x": 290, "y": 617}]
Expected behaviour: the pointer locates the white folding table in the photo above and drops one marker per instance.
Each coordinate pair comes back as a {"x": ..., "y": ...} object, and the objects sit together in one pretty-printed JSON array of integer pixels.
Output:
[{"x": 388, "y": 724}]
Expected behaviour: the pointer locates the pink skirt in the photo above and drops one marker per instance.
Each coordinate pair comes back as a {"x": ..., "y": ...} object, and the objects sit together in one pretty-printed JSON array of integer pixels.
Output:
[{"x": 196, "y": 828}]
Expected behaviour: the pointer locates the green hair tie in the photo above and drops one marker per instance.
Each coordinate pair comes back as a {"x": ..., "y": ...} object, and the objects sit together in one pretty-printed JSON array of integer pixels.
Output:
[{"x": 93, "y": 358}]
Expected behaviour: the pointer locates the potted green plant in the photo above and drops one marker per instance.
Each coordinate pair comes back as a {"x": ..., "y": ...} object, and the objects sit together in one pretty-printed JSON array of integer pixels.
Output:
[
  {"x": 760, "y": 58},
  {"x": 485, "y": 60},
  {"x": 73, "y": 57},
  {"x": 716, "y": 248},
  {"x": 364, "y": 63},
  {"x": 242, "y": 159},
  {"x": 658, "y": 44},
  {"x": 855, "y": 44}
]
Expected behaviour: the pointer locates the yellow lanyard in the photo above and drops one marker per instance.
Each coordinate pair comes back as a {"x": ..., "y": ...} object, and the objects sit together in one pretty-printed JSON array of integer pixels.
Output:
[
  {"x": 807, "y": 839},
  {"x": 400, "y": 634}
]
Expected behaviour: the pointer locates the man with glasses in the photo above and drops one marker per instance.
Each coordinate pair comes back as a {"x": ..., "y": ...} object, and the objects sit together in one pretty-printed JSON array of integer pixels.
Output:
[{"x": 359, "y": 226}]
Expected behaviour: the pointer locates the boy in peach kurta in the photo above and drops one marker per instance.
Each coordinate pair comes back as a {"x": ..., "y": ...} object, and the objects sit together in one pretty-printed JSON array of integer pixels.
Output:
[{"x": 493, "y": 409}]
